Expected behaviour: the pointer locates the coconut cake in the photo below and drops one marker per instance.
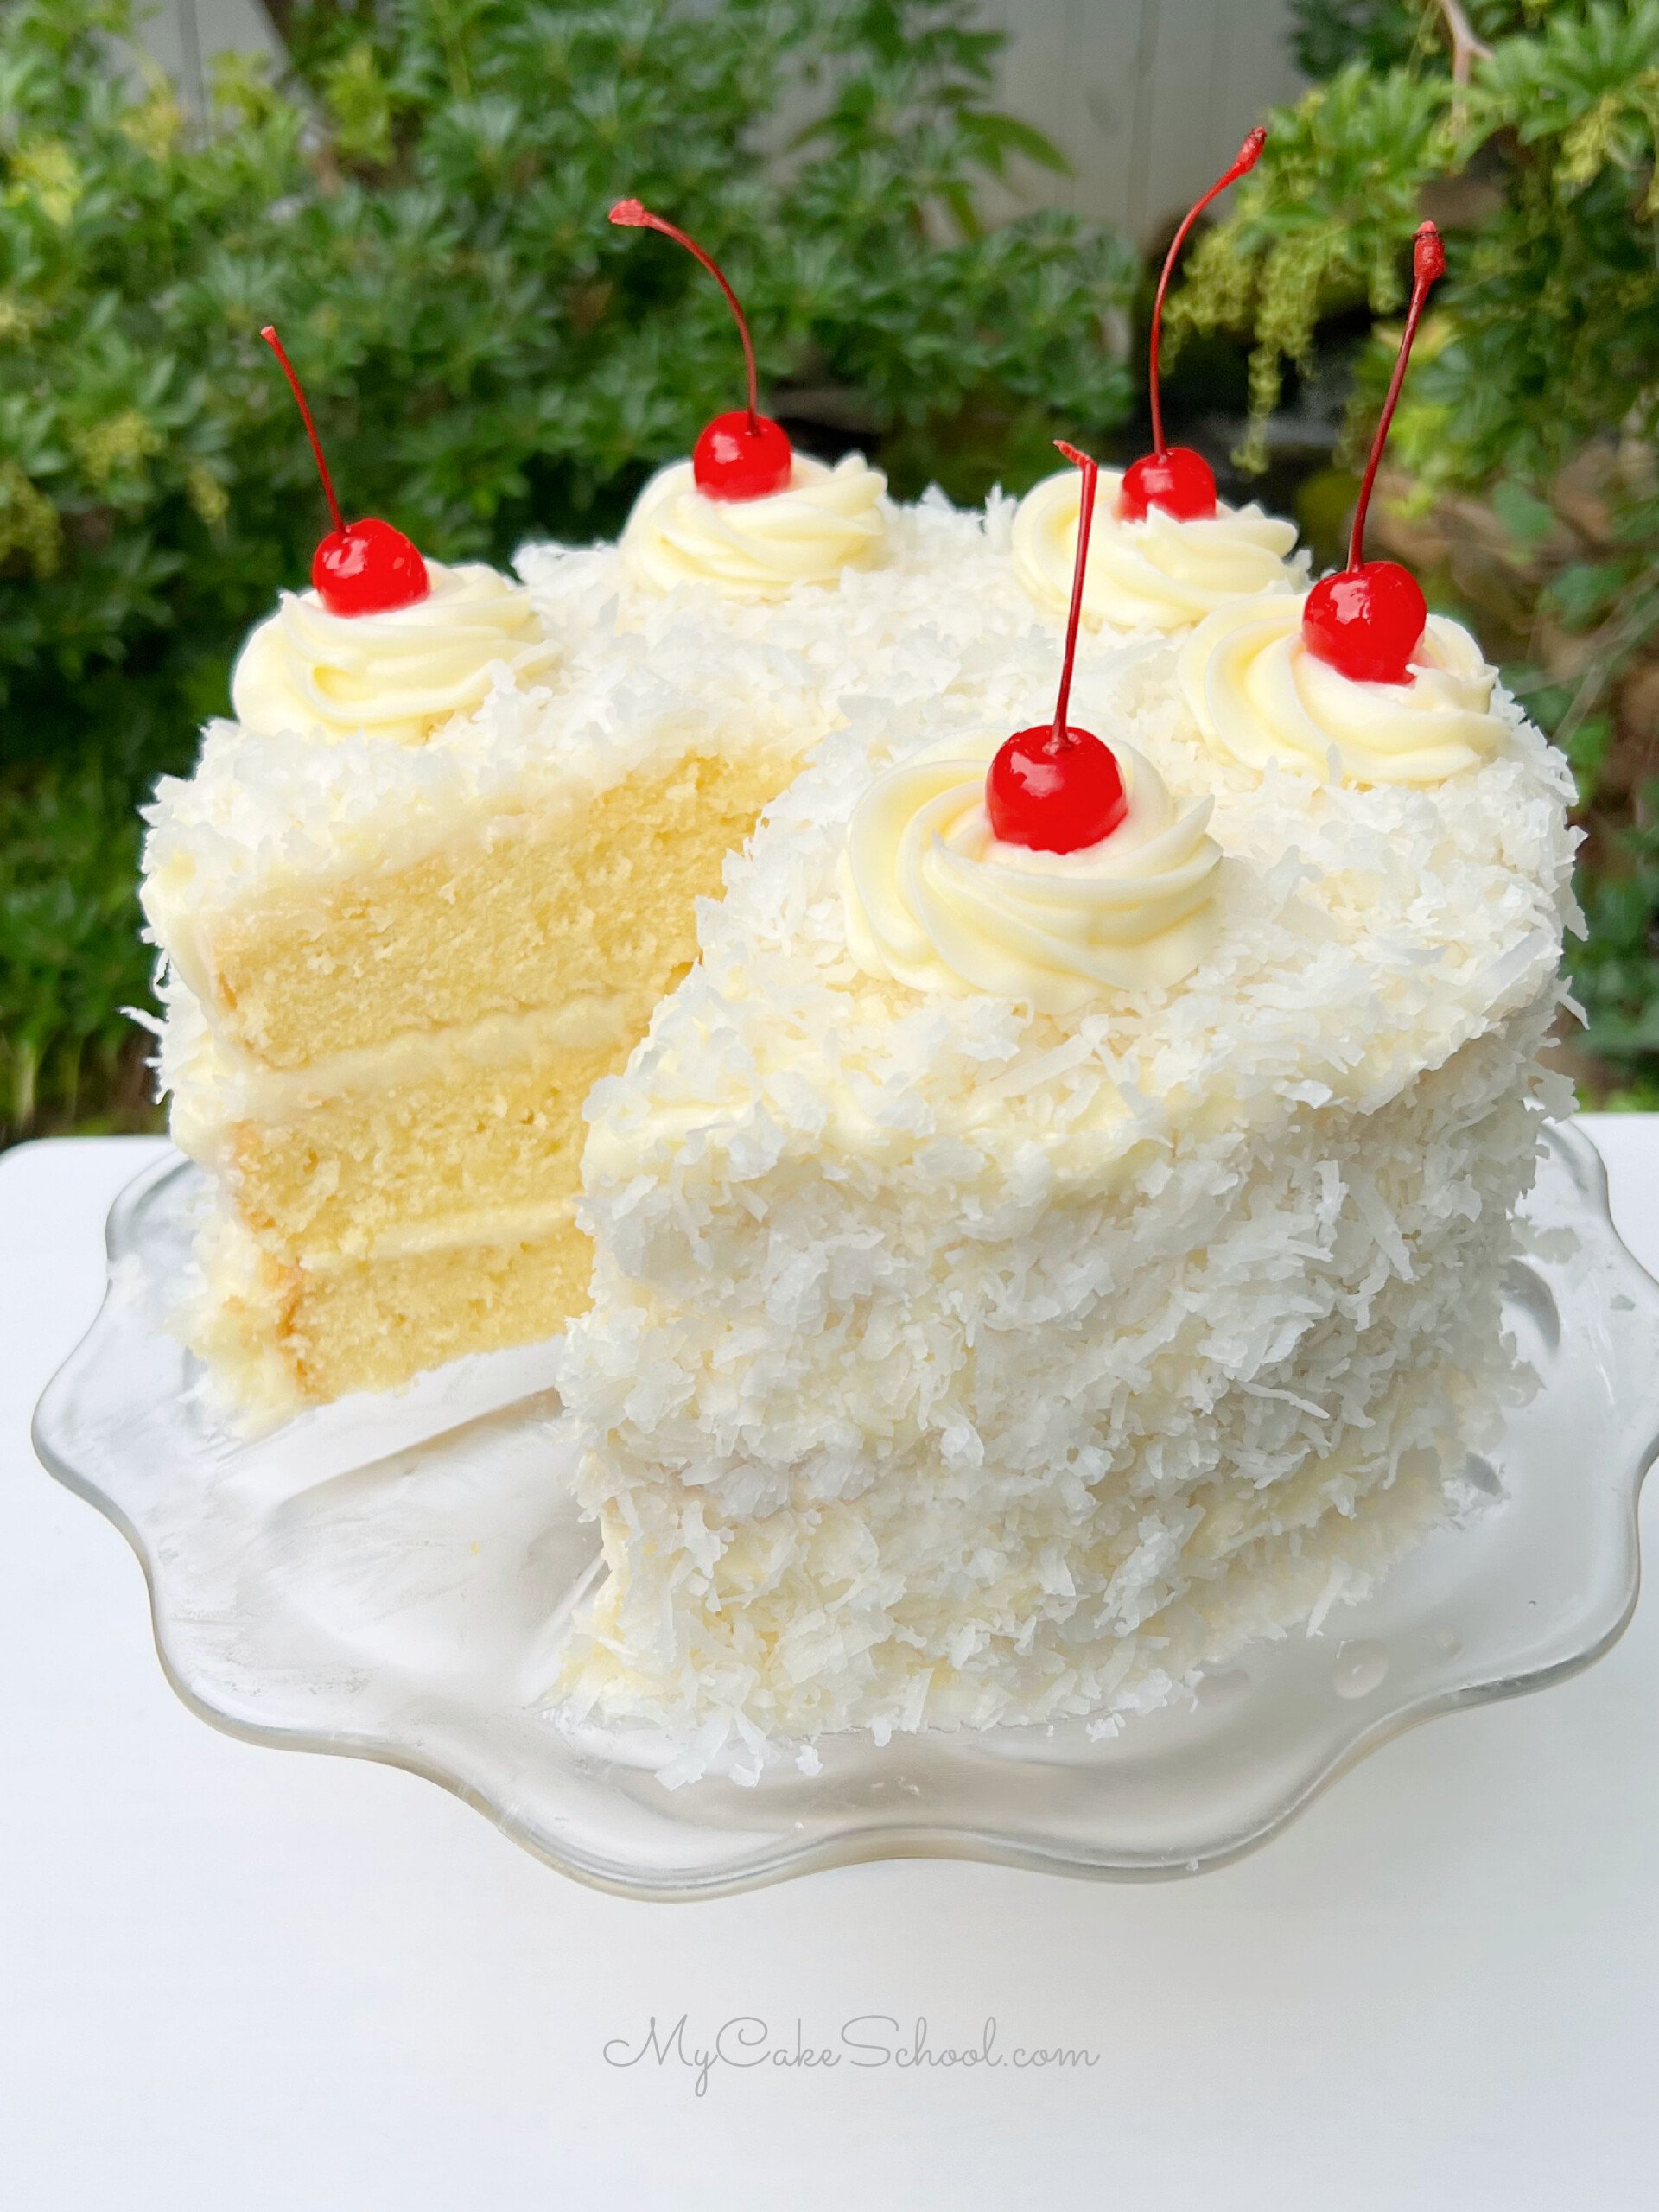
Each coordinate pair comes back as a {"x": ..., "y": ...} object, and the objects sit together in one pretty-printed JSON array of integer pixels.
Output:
[{"x": 1002, "y": 1310}]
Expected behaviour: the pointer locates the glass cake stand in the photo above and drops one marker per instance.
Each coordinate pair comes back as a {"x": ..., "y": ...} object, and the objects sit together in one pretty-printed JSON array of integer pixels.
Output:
[{"x": 387, "y": 1577}]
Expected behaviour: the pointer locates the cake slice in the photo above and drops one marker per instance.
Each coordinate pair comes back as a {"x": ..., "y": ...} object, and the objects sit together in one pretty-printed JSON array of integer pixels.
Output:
[
  {"x": 393, "y": 975},
  {"x": 430, "y": 887},
  {"x": 425, "y": 890}
]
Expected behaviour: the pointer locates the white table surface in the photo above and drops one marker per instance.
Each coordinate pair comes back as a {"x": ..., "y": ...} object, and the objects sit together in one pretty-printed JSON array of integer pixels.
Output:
[{"x": 247, "y": 1981}]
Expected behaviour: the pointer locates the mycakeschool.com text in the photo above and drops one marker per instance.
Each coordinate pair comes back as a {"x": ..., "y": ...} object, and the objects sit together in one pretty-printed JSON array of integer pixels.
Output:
[{"x": 868, "y": 2043}]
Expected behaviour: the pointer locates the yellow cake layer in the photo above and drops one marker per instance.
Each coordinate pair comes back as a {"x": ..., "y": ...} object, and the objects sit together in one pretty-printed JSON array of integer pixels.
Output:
[
  {"x": 594, "y": 894},
  {"x": 389, "y": 1075},
  {"x": 275, "y": 1333},
  {"x": 366, "y": 1169}
]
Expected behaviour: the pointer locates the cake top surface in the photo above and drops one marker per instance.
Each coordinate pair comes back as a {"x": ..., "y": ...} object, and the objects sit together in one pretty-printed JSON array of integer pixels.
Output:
[
  {"x": 637, "y": 671},
  {"x": 1364, "y": 932}
]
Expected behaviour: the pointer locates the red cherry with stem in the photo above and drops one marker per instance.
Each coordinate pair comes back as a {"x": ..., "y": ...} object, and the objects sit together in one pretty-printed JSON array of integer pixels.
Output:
[
  {"x": 1368, "y": 622},
  {"x": 1052, "y": 788},
  {"x": 360, "y": 567},
  {"x": 1368, "y": 618},
  {"x": 1175, "y": 478},
  {"x": 742, "y": 455},
  {"x": 368, "y": 567}
]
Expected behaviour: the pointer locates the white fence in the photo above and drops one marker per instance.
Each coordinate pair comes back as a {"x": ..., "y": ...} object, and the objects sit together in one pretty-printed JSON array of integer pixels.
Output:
[{"x": 1147, "y": 98}]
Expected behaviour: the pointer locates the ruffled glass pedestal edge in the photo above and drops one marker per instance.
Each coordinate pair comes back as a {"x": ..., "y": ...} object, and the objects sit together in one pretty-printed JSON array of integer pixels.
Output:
[{"x": 387, "y": 1578}]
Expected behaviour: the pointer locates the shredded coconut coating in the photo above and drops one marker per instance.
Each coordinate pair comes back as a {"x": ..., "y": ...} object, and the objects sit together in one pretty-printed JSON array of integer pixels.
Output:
[{"x": 951, "y": 1363}]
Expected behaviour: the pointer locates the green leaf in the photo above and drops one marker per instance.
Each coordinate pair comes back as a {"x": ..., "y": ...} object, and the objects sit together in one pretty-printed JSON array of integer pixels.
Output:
[
  {"x": 1529, "y": 519},
  {"x": 1587, "y": 749},
  {"x": 1583, "y": 592}
]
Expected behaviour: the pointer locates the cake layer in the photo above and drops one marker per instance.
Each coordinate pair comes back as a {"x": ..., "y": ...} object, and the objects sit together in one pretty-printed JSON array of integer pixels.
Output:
[
  {"x": 278, "y": 1335},
  {"x": 365, "y": 1170},
  {"x": 589, "y": 893}
]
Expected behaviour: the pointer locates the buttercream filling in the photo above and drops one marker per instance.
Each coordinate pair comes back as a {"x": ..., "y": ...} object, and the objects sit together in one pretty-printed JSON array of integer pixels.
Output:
[
  {"x": 488, "y": 1225},
  {"x": 215, "y": 1085}
]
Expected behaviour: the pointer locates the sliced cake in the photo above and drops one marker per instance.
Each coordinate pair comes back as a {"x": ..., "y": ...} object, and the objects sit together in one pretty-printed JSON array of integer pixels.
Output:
[
  {"x": 428, "y": 887},
  {"x": 1031, "y": 1261},
  {"x": 415, "y": 900}
]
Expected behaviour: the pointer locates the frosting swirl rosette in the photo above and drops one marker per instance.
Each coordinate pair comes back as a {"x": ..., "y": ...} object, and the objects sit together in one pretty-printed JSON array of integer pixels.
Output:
[
  {"x": 934, "y": 899},
  {"x": 1156, "y": 575},
  {"x": 397, "y": 674},
  {"x": 827, "y": 520},
  {"x": 1260, "y": 695}
]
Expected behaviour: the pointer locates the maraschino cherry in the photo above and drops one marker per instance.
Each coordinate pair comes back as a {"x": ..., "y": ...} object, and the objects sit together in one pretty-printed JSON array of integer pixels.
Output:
[
  {"x": 360, "y": 567},
  {"x": 1175, "y": 478},
  {"x": 742, "y": 455},
  {"x": 1368, "y": 618},
  {"x": 1053, "y": 788}
]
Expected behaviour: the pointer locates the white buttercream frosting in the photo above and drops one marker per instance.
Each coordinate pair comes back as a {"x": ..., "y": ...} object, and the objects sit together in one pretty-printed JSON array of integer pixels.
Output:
[
  {"x": 397, "y": 675},
  {"x": 827, "y": 520},
  {"x": 1158, "y": 574},
  {"x": 1259, "y": 696},
  {"x": 935, "y": 899}
]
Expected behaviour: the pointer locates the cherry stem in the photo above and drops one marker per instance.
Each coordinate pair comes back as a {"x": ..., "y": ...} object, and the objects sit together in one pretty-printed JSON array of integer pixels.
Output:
[
  {"x": 1248, "y": 153},
  {"x": 630, "y": 215},
  {"x": 1428, "y": 263},
  {"x": 1061, "y": 739},
  {"x": 274, "y": 343}
]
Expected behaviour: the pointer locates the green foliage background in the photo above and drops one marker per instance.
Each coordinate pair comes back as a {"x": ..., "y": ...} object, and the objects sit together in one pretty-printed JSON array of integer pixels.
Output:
[
  {"x": 419, "y": 206},
  {"x": 1525, "y": 457}
]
